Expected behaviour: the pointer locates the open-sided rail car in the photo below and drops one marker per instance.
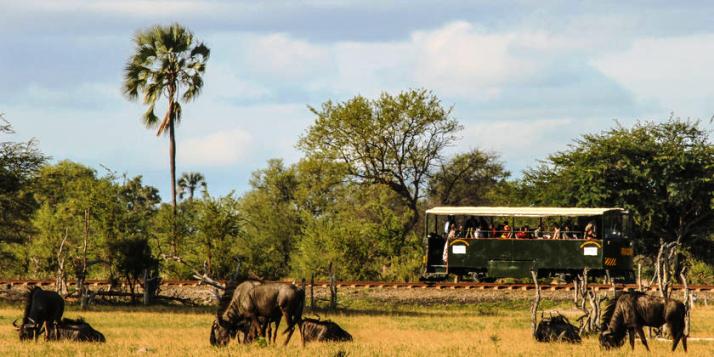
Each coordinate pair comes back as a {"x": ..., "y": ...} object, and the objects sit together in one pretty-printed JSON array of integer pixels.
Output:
[{"x": 490, "y": 249}]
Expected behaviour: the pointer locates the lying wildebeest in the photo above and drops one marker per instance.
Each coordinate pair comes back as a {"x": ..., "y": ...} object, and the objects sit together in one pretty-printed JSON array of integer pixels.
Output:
[
  {"x": 323, "y": 330},
  {"x": 258, "y": 305},
  {"x": 78, "y": 330},
  {"x": 41, "y": 307},
  {"x": 556, "y": 329},
  {"x": 631, "y": 311}
]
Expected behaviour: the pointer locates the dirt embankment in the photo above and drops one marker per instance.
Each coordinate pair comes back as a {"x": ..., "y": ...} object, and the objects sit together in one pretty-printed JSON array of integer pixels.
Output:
[{"x": 204, "y": 295}]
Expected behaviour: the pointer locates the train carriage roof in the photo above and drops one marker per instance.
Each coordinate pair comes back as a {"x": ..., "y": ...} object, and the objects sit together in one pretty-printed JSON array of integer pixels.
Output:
[{"x": 521, "y": 211}]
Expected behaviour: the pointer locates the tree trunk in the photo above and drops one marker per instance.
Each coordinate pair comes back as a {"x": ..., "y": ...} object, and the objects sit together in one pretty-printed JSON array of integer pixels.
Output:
[{"x": 172, "y": 160}]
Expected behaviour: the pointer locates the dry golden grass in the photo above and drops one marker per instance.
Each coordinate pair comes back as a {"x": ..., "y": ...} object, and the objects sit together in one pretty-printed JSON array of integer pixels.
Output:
[{"x": 494, "y": 330}]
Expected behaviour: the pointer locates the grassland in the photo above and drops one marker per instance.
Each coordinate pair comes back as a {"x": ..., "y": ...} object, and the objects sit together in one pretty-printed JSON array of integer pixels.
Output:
[{"x": 487, "y": 329}]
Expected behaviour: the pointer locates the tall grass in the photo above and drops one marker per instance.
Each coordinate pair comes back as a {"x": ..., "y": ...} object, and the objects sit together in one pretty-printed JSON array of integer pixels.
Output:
[{"x": 469, "y": 330}]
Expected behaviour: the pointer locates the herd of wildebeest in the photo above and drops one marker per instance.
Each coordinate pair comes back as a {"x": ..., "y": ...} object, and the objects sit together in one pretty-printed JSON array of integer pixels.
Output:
[
  {"x": 247, "y": 311},
  {"x": 253, "y": 309}
]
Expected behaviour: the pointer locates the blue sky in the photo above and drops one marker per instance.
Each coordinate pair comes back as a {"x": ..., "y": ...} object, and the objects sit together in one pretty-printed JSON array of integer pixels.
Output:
[{"x": 525, "y": 78}]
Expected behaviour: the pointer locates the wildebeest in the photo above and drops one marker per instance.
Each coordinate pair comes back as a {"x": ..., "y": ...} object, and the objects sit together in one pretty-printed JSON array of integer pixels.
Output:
[
  {"x": 228, "y": 323},
  {"x": 631, "y": 311},
  {"x": 259, "y": 305},
  {"x": 78, "y": 330},
  {"x": 323, "y": 330},
  {"x": 41, "y": 307},
  {"x": 556, "y": 329}
]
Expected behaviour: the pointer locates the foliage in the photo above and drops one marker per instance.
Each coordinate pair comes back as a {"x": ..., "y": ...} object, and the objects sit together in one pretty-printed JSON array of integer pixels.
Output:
[
  {"x": 68, "y": 193},
  {"x": 271, "y": 223},
  {"x": 394, "y": 141},
  {"x": 662, "y": 173},
  {"x": 468, "y": 179},
  {"x": 189, "y": 182},
  {"x": 19, "y": 164}
]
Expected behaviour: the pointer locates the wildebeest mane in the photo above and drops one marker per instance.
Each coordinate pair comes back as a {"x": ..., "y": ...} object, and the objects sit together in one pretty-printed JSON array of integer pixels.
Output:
[
  {"x": 28, "y": 303},
  {"x": 226, "y": 298}
]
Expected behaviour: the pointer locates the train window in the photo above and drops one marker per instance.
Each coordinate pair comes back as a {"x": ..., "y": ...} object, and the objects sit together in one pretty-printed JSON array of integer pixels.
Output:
[{"x": 612, "y": 226}]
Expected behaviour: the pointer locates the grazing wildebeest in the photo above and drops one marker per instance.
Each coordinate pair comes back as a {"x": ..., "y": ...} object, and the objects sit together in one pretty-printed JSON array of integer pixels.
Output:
[
  {"x": 556, "y": 329},
  {"x": 251, "y": 307},
  {"x": 78, "y": 330},
  {"x": 270, "y": 301},
  {"x": 323, "y": 330},
  {"x": 228, "y": 322},
  {"x": 41, "y": 307},
  {"x": 629, "y": 312}
]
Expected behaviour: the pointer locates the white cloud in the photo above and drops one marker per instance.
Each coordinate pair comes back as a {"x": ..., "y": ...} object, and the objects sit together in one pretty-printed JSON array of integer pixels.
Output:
[
  {"x": 217, "y": 149},
  {"x": 674, "y": 71},
  {"x": 458, "y": 60},
  {"x": 283, "y": 57}
]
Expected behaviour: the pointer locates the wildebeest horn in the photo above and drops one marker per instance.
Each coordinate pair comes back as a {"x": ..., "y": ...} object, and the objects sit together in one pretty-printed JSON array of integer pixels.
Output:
[
  {"x": 607, "y": 332},
  {"x": 31, "y": 320},
  {"x": 14, "y": 323}
]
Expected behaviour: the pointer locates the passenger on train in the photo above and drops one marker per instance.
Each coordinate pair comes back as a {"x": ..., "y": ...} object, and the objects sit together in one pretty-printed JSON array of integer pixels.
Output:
[
  {"x": 556, "y": 232},
  {"x": 507, "y": 231},
  {"x": 590, "y": 231},
  {"x": 538, "y": 232},
  {"x": 523, "y": 233}
]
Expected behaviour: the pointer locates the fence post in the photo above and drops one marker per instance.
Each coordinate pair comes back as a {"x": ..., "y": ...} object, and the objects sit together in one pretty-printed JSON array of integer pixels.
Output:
[
  {"x": 333, "y": 288},
  {"x": 312, "y": 291}
]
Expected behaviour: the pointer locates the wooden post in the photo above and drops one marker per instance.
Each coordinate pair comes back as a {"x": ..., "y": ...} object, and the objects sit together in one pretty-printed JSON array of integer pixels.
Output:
[
  {"x": 536, "y": 302},
  {"x": 639, "y": 276},
  {"x": 82, "y": 275},
  {"x": 147, "y": 288},
  {"x": 333, "y": 288},
  {"x": 687, "y": 301},
  {"x": 312, "y": 291}
]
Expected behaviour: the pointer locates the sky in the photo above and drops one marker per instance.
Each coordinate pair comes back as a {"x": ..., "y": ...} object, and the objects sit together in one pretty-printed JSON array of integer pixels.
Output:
[{"x": 525, "y": 78}]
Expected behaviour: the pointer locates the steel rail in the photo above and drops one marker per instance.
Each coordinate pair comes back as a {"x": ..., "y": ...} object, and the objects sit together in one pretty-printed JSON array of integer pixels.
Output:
[{"x": 391, "y": 285}]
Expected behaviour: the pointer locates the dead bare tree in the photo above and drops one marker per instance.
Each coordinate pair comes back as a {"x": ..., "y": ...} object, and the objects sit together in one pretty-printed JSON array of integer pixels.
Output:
[
  {"x": 587, "y": 301},
  {"x": 663, "y": 268},
  {"x": 61, "y": 279}
]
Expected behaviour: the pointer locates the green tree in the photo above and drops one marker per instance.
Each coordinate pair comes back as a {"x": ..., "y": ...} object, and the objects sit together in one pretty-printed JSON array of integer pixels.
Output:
[
  {"x": 394, "y": 141},
  {"x": 168, "y": 63},
  {"x": 19, "y": 165},
  {"x": 189, "y": 182},
  {"x": 271, "y": 221},
  {"x": 663, "y": 173},
  {"x": 468, "y": 179}
]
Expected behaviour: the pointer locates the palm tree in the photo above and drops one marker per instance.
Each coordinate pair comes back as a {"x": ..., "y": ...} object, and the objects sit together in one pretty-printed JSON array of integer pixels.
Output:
[
  {"x": 167, "y": 64},
  {"x": 188, "y": 182}
]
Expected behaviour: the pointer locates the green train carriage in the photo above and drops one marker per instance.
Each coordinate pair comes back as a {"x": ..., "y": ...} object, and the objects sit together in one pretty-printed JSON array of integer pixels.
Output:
[{"x": 490, "y": 256}]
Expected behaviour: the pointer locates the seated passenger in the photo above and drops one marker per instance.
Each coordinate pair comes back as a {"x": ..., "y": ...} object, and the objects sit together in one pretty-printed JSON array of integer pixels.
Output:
[
  {"x": 556, "y": 232},
  {"x": 461, "y": 232},
  {"x": 538, "y": 232},
  {"x": 523, "y": 233},
  {"x": 590, "y": 231},
  {"x": 507, "y": 231},
  {"x": 492, "y": 231},
  {"x": 567, "y": 233}
]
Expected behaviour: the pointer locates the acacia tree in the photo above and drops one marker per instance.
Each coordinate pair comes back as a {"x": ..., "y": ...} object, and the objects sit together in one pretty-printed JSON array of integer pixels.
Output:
[
  {"x": 167, "y": 64},
  {"x": 394, "y": 140},
  {"x": 661, "y": 172},
  {"x": 468, "y": 179},
  {"x": 19, "y": 165}
]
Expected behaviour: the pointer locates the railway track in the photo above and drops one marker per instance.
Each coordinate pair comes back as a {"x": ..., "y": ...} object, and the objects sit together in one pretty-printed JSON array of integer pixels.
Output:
[{"x": 393, "y": 285}]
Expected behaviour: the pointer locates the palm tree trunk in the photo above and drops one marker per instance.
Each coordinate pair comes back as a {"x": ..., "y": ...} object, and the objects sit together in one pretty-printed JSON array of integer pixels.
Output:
[{"x": 172, "y": 154}]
